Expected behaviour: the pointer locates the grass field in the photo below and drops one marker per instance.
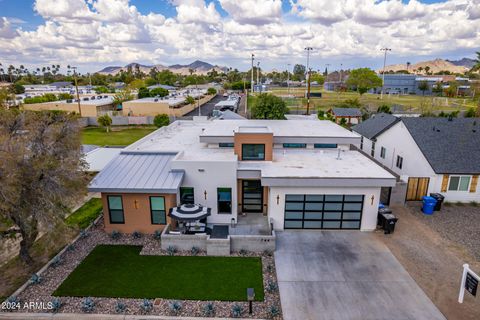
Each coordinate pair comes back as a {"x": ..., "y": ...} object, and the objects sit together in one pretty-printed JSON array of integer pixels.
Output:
[
  {"x": 372, "y": 101},
  {"x": 118, "y": 137},
  {"x": 86, "y": 214},
  {"x": 119, "y": 271}
]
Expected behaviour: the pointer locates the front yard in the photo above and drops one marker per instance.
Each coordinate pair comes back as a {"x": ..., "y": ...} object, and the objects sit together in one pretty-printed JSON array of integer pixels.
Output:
[
  {"x": 118, "y": 136},
  {"x": 120, "y": 271}
]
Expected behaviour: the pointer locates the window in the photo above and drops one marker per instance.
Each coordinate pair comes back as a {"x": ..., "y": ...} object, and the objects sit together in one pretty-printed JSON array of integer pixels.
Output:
[
  {"x": 294, "y": 145},
  {"x": 399, "y": 162},
  {"x": 157, "y": 210},
  {"x": 372, "y": 153},
  {"x": 224, "y": 200},
  {"x": 115, "y": 209},
  {"x": 325, "y": 145},
  {"x": 459, "y": 183},
  {"x": 382, "y": 152},
  {"x": 186, "y": 195},
  {"x": 253, "y": 152},
  {"x": 225, "y": 144},
  {"x": 361, "y": 143}
]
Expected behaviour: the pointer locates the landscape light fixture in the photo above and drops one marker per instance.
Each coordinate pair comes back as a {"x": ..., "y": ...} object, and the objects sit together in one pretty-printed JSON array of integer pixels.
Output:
[
  {"x": 383, "y": 73},
  {"x": 250, "y": 298}
]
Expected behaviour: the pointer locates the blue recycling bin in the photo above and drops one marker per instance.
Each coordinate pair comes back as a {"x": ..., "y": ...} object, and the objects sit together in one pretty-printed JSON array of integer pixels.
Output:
[
  {"x": 381, "y": 205},
  {"x": 428, "y": 206}
]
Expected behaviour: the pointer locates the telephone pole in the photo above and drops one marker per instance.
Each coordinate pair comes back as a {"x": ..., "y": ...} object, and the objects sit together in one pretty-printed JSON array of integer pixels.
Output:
[
  {"x": 308, "y": 91},
  {"x": 251, "y": 83},
  {"x": 288, "y": 78},
  {"x": 383, "y": 73},
  {"x": 258, "y": 73},
  {"x": 76, "y": 88},
  {"x": 308, "y": 49}
]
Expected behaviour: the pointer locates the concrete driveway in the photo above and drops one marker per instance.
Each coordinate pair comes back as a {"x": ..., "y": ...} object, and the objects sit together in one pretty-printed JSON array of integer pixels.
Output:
[{"x": 345, "y": 275}]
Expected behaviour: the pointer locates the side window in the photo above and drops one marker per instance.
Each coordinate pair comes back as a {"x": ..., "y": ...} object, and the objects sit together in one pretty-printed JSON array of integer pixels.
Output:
[
  {"x": 372, "y": 153},
  {"x": 399, "y": 162},
  {"x": 383, "y": 151},
  {"x": 157, "y": 210},
  {"x": 115, "y": 209},
  {"x": 224, "y": 200},
  {"x": 187, "y": 195}
]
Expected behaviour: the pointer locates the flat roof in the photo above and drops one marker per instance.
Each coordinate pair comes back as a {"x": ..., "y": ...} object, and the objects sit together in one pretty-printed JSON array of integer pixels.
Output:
[
  {"x": 253, "y": 129},
  {"x": 227, "y": 103},
  {"x": 171, "y": 101},
  {"x": 316, "y": 163},
  {"x": 281, "y": 128},
  {"x": 98, "y": 158}
]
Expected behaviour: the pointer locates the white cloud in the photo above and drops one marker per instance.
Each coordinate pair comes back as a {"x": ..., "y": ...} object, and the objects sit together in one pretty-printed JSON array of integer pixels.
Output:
[{"x": 114, "y": 31}]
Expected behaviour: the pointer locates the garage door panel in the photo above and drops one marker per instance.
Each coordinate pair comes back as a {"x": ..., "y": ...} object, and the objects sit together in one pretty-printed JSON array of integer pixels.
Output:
[{"x": 323, "y": 211}]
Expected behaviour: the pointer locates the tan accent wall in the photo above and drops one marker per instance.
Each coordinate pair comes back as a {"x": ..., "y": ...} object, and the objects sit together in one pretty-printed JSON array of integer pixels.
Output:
[
  {"x": 444, "y": 183},
  {"x": 137, "y": 218},
  {"x": 138, "y": 108},
  {"x": 88, "y": 110},
  {"x": 474, "y": 183},
  {"x": 253, "y": 138}
]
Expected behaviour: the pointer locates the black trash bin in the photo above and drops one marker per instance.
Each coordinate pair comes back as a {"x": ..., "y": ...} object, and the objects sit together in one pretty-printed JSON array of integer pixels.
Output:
[
  {"x": 380, "y": 217},
  {"x": 439, "y": 197},
  {"x": 386, "y": 220}
]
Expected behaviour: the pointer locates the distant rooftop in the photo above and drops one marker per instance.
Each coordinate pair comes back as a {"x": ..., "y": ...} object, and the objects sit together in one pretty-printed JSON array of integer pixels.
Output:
[{"x": 347, "y": 112}]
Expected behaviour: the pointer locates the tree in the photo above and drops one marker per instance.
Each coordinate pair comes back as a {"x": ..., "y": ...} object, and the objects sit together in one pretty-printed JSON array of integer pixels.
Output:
[
  {"x": 122, "y": 96},
  {"x": 384, "y": 108},
  {"x": 18, "y": 88},
  {"x": 299, "y": 72},
  {"x": 161, "y": 120},
  {"x": 105, "y": 121},
  {"x": 143, "y": 93},
  {"x": 471, "y": 112},
  {"x": 363, "y": 79},
  {"x": 320, "y": 79},
  {"x": 476, "y": 66},
  {"x": 268, "y": 106},
  {"x": 211, "y": 91},
  {"x": 438, "y": 88},
  {"x": 190, "y": 100},
  {"x": 161, "y": 92},
  {"x": 423, "y": 86},
  {"x": 41, "y": 171},
  {"x": 6, "y": 96}
]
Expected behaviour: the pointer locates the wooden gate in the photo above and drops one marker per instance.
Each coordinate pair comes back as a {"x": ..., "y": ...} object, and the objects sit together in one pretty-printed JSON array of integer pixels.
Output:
[{"x": 417, "y": 188}]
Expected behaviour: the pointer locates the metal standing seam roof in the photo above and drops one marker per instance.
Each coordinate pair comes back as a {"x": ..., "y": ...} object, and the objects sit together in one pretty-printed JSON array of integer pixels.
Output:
[
  {"x": 374, "y": 126},
  {"x": 347, "y": 112},
  {"x": 451, "y": 146},
  {"x": 138, "y": 172}
]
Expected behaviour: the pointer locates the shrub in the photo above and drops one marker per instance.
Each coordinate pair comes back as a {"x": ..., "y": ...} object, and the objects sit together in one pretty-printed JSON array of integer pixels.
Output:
[
  {"x": 471, "y": 112},
  {"x": 56, "y": 304},
  {"x": 161, "y": 120},
  {"x": 161, "y": 92},
  {"x": 57, "y": 261},
  {"x": 105, "y": 121},
  {"x": 157, "y": 235},
  {"x": 115, "y": 235},
  {"x": 269, "y": 268},
  {"x": 273, "y": 311},
  {"x": 136, "y": 234},
  {"x": 474, "y": 203},
  {"x": 237, "y": 310},
  {"x": 459, "y": 203},
  {"x": 272, "y": 286},
  {"x": 146, "y": 305},
  {"x": 171, "y": 250},
  {"x": 71, "y": 247},
  {"x": 269, "y": 106},
  {"x": 194, "y": 251},
  {"x": 209, "y": 309},
  {"x": 446, "y": 203},
  {"x": 267, "y": 253},
  {"x": 83, "y": 234},
  {"x": 86, "y": 214},
  {"x": 13, "y": 300},
  {"x": 243, "y": 252},
  {"x": 120, "y": 307},
  {"x": 88, "y": 305},
  {"x": 189, "y": 100},
  {"x": 211, "y": 91},
  {"x": 320, "y": 114},
  {"x": 35, "y": 279},
  {"x": 175, "y": 307}
]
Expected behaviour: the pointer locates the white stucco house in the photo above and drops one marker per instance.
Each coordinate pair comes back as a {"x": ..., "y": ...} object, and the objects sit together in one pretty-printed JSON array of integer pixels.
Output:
[
  {"x": 298, "y": 174},
  {"x": 435, "y": 155}
]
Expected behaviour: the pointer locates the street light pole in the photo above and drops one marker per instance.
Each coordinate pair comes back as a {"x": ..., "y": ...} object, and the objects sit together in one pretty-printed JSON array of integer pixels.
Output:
[
  {"x": 288, "y": 78},
  {"x": 341, "y": 70},
  {"x": 258, "y": 73},
  {"x": 198, "y": 97},
  {"x": 76, "y": 88},
  {"x": 383, "y": 73},
  {"x": 308, "y": 49},
  {"x": 251, "y": 83}
]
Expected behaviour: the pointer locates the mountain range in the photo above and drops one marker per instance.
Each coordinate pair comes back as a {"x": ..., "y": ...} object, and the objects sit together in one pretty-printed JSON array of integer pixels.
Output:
[
  {"x": 200, "y": 67},
  {"x": 434, "y": 66}
]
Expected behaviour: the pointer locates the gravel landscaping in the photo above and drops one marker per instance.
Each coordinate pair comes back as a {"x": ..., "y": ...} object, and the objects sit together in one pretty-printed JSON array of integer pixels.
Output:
[
  {"x": 457, "y": 223},
  {"x": 52, "y": 278}
]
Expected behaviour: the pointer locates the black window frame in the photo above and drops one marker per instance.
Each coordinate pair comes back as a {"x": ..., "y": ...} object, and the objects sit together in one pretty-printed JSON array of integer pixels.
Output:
[
  {"x": 218, "y": 201},
  {"x": 325, "y": 145},
  {"x": 361, "y": 143},
  {"x": 399, "y": 163},
  {"x": 110, "y": 210},
  {"x": 252, "y": 144},
  {"x": 181, "y": 194},
  {"x": 372, "y": 151},
  {"x": 164, "y": 210},
  {"x": 324, "y": 201},
  {"x": 383, "y": 152}
]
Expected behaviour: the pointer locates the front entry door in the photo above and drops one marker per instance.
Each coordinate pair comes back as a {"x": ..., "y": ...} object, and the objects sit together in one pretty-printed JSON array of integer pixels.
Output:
[{"x": 252, "y": 196}]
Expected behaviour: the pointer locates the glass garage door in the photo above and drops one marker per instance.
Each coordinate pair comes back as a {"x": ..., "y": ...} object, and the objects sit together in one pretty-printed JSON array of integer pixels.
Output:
[{"x": 318, "y": 211}]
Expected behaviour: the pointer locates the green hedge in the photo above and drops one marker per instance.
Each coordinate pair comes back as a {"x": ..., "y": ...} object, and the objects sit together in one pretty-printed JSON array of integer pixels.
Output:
[{"x": 86, "y": 214}]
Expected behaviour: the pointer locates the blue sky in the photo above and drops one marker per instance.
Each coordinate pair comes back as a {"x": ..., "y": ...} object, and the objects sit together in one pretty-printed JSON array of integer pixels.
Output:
[{"x": 347, "y": 32}]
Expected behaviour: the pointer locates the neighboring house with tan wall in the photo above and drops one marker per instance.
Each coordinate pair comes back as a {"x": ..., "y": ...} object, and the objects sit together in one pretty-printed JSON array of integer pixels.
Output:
[
  {"x": 299, "y": 174},
  {"x": 89, "y": 108},
  {"x": 434, "y": 155}
]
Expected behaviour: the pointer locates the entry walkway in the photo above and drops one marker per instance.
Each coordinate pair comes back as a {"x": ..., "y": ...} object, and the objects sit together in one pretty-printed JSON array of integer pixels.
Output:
[{"x": 345, "y": 275}]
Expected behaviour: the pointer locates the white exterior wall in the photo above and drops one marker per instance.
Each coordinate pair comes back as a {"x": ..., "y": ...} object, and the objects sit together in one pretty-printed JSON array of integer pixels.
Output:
[
  {"x": 276, "y": 212},
  {"x": 454, "y": 196},
  {"x": 215, "y": 174}
]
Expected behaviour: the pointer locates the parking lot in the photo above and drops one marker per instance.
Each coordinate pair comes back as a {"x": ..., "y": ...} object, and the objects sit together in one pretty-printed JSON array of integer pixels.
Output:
[{"x": 207, "y": 108}]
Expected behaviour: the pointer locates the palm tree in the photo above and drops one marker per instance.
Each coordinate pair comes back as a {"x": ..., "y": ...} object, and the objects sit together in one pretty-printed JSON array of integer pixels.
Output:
[
  {"x": 408, "y": 66},
  {"x": 427, "y": 68},
  {"x": 476, "y": 66}
]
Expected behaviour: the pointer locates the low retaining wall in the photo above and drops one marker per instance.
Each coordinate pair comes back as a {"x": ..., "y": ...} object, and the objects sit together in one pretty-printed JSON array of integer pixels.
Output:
[
  {"x": 183, "y": 242},
  {"x": 218, "y": 247},
  {"x": 253, "y": 243}
]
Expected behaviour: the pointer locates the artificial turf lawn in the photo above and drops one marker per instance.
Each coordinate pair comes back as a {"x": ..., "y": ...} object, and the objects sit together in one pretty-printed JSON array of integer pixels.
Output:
[
  {"x": 86, "y": 214},
  {"x": 120, "y": 272},
  {"x": 118, "y": 137}
]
